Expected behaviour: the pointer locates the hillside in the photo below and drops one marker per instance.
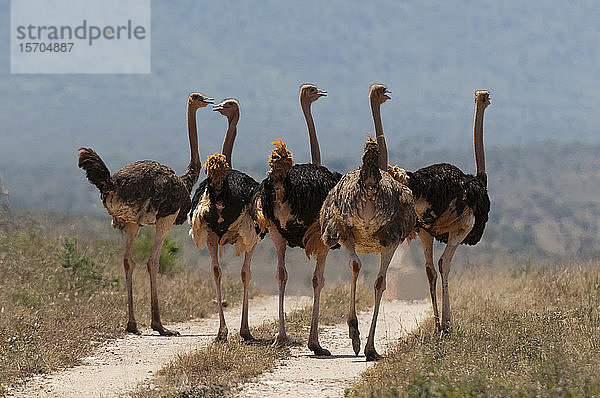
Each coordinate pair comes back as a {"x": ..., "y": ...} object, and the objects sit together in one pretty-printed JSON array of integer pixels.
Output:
[{"x": 544, "y": 200}]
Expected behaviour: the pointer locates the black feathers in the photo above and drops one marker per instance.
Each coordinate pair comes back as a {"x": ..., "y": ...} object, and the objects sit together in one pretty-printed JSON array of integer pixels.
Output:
[
  {"x": 440, "y": 185},
  {"x": 235, "y": 194},
  {"x": 95, "y": 169},
  {"x": 305, "y": 188}
]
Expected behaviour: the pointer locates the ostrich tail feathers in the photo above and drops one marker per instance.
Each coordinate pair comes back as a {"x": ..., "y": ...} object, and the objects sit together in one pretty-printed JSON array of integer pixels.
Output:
[
  {"x": 398, "y": 174},
  {"x": 369, "y": 171},
  {"x": 370, "y": 155},
  {"x": 280, "y": 160},
  {"x": 216, "y": 167},
  {"x": 95, "y": 170}
]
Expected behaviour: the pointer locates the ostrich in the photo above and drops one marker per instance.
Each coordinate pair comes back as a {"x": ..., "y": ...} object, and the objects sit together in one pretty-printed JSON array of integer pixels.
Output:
[
  {"x": 453, "y": 208},
  {"x": 147, "y": 193},
  {"x": 369, "y": 211},
  {"x": 287, "y": 203},
  {"x": 220, "y": 214}
]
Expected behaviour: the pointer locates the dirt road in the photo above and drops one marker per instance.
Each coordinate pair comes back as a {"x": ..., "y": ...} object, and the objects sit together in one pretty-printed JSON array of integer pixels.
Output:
[
  {"x": 118, "y": 366},
  {"x": 304, "y": 375}
]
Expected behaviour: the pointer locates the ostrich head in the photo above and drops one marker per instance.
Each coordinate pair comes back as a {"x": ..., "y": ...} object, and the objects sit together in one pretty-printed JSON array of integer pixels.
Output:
[
  {"x": 311, "y": 93},
  {"x": 228, "y": 107},
  {"x": 369, "y": 171},
  {"x": 378, "y": 92},
  {"x": 199, "y": 100},
  {"x": 482, "y": 97}
]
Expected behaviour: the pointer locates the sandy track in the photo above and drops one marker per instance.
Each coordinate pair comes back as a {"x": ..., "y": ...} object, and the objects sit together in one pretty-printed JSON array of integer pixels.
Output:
[
  {"x": 119, "y": 365},
  {"x": 304, "y": 375}
]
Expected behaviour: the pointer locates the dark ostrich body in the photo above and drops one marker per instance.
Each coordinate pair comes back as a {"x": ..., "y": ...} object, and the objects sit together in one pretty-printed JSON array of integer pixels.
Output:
[
  {"x": 235, "y": 195},
  {"x": 147, "y": 193},
  {"x": 305, "y": 188},
  {"x": 220, "y": 214},
  {"x": 444, "y": 187},
  {"x": 453, "y": 208},
  {"x": 287, "y": 203},
  {"x": 144, "y": 191}
]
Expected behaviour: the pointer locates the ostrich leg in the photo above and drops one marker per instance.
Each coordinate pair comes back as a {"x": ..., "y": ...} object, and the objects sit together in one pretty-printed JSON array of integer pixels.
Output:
[
  {"x": 386, "y": 257},
  {"x": 454, "y": 240},
  {"x": 246, "y": 276},
  {"x": 427, "y": 243},
  {"x": 212, "y": 242},
  {"x": 131, "y": 231},
  {"x": 163, "y": 226},
  {"x": 281, "y": 275},
  {"x": 318, "y": 281},
  {"x": 355, "y": 266}
]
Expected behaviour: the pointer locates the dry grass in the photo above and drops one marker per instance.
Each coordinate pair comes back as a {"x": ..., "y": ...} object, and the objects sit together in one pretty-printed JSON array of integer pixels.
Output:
[
  {"x": 216, "y": 370},
  {"x": 59, "y": 298},
  {"x": 531, "y": 332}
]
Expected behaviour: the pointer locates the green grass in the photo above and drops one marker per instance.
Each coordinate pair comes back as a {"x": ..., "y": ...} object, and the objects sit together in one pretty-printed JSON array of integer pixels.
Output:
[
  {"x": 531, "y": 332},
  {"x": 216, "y": 370},
  {"x": 60, "y": 296}
]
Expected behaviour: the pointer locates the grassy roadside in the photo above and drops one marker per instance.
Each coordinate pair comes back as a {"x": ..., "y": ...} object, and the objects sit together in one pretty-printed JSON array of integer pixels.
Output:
[
  {"x": 532, "y": 332},
  {"x": 61, "y": 296},
  {"x": 214, "y": 371}
]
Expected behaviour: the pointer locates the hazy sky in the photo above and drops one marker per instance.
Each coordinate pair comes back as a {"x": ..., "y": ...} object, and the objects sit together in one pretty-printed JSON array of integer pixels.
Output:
[{"x": 540, "y": 60}]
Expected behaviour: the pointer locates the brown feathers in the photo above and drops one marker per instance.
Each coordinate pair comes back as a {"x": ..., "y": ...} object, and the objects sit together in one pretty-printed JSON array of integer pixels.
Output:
[
  {"x": 371, "y": 152},
  {"x": 398, "y": 174},
  {"x": 313, "y": 242},
  {"x": 280, "y": 160},
  {"x": 216, "y": 168}
]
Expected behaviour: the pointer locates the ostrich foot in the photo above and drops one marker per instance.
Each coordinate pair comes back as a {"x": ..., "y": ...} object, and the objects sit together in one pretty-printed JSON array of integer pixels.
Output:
[
  {"x": 222, "y": 335},
  {"x": 371, "y": 354},
  {"x": 280, "y": 339},
  {"x": 246, "y": 335},
  {"x": 318, "y": 350},
  {"x": 132, "y": 328},
  {"x": 354, "y": 334},
  {"x": 163, "y": 331}
]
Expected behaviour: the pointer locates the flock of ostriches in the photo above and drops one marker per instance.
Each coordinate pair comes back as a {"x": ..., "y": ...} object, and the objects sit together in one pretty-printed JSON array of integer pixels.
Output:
[{"x": 371, "y": 209}]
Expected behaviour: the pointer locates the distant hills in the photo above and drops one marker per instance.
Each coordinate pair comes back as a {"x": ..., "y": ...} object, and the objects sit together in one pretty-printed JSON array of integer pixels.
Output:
[{"x": 544, "y": 198}]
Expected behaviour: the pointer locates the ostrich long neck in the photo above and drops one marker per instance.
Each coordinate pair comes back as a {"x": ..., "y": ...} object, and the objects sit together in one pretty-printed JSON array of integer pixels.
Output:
[
  {"x": 193, "y": 137},
  {"x": 315, "y": 152},
  {"x": 230, "y": 137},
  {"x": 383, "y": 155},
  {"x": 478, "y": 140}
]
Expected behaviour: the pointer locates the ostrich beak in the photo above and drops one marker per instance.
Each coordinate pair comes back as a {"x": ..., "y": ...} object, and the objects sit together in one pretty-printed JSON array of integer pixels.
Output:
[
  {"x": 209, "y": 100},
  {"x": 321, "y": 93},
  {"x": 218, "y": 107},
  {"x": 387, "y": 92}
]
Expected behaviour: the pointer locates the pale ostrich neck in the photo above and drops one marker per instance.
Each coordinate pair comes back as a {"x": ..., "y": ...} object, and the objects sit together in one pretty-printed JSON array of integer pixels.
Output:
[
  {"x": 193, "y": 136},
  {"x": 478, "y": 139},
  {"x": 383, "y": 155},
  {"x": 315, "y": 152},
  {"x": 230, "y": 137}
]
